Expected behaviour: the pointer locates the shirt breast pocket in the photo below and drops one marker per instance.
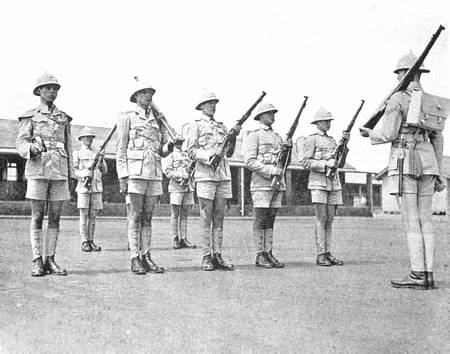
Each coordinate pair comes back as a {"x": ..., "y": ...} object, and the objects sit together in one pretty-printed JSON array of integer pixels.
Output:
[
  {"x": 206, "y": 136},
  {"x": 41, "y": 126},
  {"x": 134, "y": 161}
]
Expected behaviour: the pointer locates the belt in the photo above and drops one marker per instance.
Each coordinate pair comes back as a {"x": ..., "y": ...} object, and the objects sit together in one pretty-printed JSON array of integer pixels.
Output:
[{"x": 51, "y": 144}]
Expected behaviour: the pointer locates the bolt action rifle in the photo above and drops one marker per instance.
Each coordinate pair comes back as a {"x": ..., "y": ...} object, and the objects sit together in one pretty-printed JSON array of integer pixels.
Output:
[
  {"x": 284, "y": 156},
  {"x": 161, "y": 118},
  {"x": 190, "y": 169},
  {"x": 404, "y": 82},
  {"x": 227, "y": 140},
  {"x": 341, "y": 150}
]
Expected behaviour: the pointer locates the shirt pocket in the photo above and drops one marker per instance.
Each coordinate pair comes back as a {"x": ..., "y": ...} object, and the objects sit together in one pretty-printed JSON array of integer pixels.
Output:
[
  {"x": 206, "y": 136},
  {"x": 135, "y": 161},
  {"x": 42, "y": 126}
]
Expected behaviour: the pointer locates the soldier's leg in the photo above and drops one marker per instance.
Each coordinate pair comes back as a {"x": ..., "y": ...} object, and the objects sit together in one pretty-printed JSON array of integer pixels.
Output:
[
  {"x": 36, "y": 239},
  {"x": 268, "y": 236},
  {"x": 83, "y": 228},
  {"x": 174, "y": 224},
  {"x": 91, "y": 229},
  {"x": 331, "y": 212},
  {"x": 54, "y": 215},
  {"x": 259, "y": 224},
  {"x": 184, "y": 242},
  {"x": 321, "y": 219},
  {"x": 134, "y": 224},
  {"x": 206, "y": 209},
  {"x": 425, "y": 215},
  {"x": 217, "y": 234}
]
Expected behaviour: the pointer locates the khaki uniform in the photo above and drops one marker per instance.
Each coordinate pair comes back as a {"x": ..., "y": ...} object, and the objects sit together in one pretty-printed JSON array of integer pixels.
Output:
[{"x": 174, "y": 166}]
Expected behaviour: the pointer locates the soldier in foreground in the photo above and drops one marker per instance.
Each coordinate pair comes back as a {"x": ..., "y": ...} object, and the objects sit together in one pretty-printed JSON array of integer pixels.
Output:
[
  {"x": 262, "y": 149},
  {"x": 44, "y": 139},
  {"x": 89, "y": 200},
  {"x": 181, "y": 190},
  {"x": 326, "y": 193},
  {"x": 414, "y": 170},
  {"x": 213, "y": 186},
  {"x": 141, "y": 142}
]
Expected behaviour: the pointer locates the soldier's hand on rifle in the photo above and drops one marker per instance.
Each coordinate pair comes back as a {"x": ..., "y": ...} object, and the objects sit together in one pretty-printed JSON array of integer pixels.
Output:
[
  {"x": 440, "y": 184},
  {"x": 276, "y": 171},
  {"x": 123, "y": 184},
  {"x": 218, "y": 150},
  {"x": 346, "y": 135},
  {"x": 178, "y": 140},
  {"x": 364, "y": 132},
  {"x": 184, "y": 175},
  {"x": 89, "y": 174},
  {"x": 330, "y": 163},
  {"x": 288, "y": 143},
  {"x": 35, "y": 150},
  {"x": 236, "y": 129}
]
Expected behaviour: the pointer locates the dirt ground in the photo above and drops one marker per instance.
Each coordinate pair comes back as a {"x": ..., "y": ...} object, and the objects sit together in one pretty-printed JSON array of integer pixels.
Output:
[{"x": 102, "y": 307}]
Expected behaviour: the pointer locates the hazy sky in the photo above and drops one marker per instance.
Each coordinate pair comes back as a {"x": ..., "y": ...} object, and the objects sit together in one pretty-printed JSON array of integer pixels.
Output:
[{"x": 336, "y": 52}]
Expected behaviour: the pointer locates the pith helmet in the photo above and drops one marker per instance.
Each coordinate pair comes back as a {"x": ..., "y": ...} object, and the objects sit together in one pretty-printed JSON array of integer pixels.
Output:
[
  {"x": 322, "y": 114},
  {"x": 45, "y": 79},
  {"x": 86, "y": 131},
  {"x": 206, "y": 97},
  {"x": 139, "y": 86},
  {"x": 406, "y": 61},
  {"x": 263, "y": 108}
]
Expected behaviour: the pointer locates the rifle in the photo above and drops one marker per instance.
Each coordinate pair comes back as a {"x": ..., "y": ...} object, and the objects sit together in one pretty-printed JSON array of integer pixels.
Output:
[
  {"x": 400, "y": 161},
  {"x": 162, "y": 119},
  {"x": 190, "y": 171},
  {"x": 283, "y": 157},
  {"x": 341, "y": 150},
  {"x": 88, "y": 180},
  {"x": 214, "y": 160},
  {"x": 404, "y": 82}
]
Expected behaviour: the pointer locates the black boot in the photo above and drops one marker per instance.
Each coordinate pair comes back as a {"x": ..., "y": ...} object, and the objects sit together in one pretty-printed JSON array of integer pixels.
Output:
[
  {"x": 137, "y": 267},
  {"x": 430, "y": 281},
  {"x": 94, "y": 247},
  {"x": 151, "y": 266},
  {"x": 184, "y": 243},
  {"x": 276, "y": 263},
  {"x": 414, "y": 280},
  {"x": 86, "y": 246},
  {"x": 262, "y": 261},
  {"x": 219, "y": 263},
  {"x": 38, "y": 268},
  {"x": 50, "y": 267},
  {"x": 176, "y": 243},
  {"x": 334, "y": 260},
  {"x": 322, "y": 260},
  {"x": 207, "y": 263}
]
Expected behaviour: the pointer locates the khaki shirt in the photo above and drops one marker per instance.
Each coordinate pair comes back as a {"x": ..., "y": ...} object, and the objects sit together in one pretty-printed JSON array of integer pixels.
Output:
[
  {"x": 140, "y": 145},
  {"x": 82, "y": 160},
  {"x": 261, "y": 151},
  {"x": 201, "y": 138},
  {"x": 319, "y": 148},
  {"x": 173, "y": 166},
  {"x": 424, "y": 149},
  {"x": 53, "y": 127}
]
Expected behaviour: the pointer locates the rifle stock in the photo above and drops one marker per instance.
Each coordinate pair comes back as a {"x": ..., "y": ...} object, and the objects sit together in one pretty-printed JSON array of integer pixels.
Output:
[{"x": 404, "y": 82}]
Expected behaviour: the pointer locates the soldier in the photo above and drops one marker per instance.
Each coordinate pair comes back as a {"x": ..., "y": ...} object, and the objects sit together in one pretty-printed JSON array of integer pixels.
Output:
[
  {"x": 213, "y": 187},
  {"x": 326, "y": 194},
  {"x": 44, "y": 139},
  {"x": 89, "y": 197},
  {"x": 141, "y": 142},
  {"x": 422, "y": 149},
  {"x": 263, "y": 146},
  {"x": 181, "y": 196}
]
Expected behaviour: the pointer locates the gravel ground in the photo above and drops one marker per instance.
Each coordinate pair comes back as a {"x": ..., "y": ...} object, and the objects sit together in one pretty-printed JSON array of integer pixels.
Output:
[{"x": 102, "y": 307}]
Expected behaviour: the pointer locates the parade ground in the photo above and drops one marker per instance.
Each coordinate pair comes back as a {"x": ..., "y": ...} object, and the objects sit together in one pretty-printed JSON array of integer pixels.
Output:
[{"x": 102, "y": 307}]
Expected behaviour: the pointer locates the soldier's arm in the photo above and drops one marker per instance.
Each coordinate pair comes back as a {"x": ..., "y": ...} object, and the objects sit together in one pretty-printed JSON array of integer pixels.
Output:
[
  {"x": 123, "y": 128},
  {"x": 437, "y": 140},
  {"x": 250, "y": 157},
  {"x": 104, "y": 166},
  {"x": 69, "y": 149},
  {"x": 167, "y": 166},
  {"x": 25, "y": 138},
  {"x": 194, "y": 150},
  {"x": 390, "y": 122},
  {"x": 166, "y": 144},
  {"x": 79, "y": 173},
  {"x": 309, "y": 162}
]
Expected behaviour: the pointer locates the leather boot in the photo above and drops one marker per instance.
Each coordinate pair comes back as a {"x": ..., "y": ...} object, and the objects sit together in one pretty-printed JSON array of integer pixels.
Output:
[
  {"x": 86, "y": 246},
  {"x": 38, "y": 268},
  {"x": 207, "y": 263},
  {"x": 414, "y": 280},
  {"x": 137, "y": 267},
  {"x": 151, "y": 266},
  {"x": 176, "y": 243},
  {"x": 94, "y": 247},
  {"x": 322, "y": 260},
  {"x": 50, "y": 267},
  {"x": 276, "y": 263},
  {"x": 262, "y": 261},
  {"x": 184, "y": 243},
  {"x": 219, "y": 263},
  {"x": 334, "y": 261},
  {"x": 430, "y": 281}
]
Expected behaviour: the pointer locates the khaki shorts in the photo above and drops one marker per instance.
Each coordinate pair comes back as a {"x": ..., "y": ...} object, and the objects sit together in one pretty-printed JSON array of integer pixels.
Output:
[
  {"x": 95, "y": 199},
  {"x": 262, "y": 199},
  {"x": 326, "y": 197},
  {"x": 47, "y": 189},
  {"x": 145, "y": 187},
  {"x": 422, "y": 186},
  {"x": 182, "y": 198},
  {"x": 212, "y": 190}
]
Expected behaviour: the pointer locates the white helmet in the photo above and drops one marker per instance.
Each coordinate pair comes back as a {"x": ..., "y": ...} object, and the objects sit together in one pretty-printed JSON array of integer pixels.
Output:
[
  {"x": 139, "y": 86},
  {"x": 206, "y": 97},
  {"x": 322, "y": 114},
  {"x": 263, "y": 108},
  {"x": 406, "y": 61},
  {"x": 45, "y": 79}
]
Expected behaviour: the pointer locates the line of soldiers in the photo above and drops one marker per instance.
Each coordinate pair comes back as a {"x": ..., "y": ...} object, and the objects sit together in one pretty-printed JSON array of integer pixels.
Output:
[{"x": 145, "y": 150}]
